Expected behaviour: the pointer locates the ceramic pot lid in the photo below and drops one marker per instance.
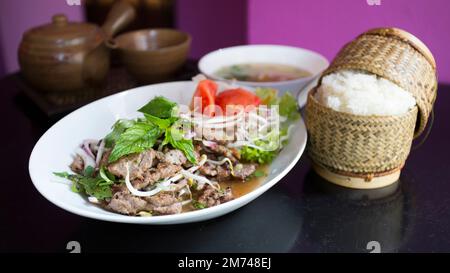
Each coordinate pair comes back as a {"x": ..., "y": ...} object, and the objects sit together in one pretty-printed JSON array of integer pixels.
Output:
[{"x": 62, "y": 33}]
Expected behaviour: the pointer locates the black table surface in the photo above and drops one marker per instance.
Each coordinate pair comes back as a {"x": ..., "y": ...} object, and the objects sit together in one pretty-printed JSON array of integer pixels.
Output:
[{"x": 302, "y": 213}]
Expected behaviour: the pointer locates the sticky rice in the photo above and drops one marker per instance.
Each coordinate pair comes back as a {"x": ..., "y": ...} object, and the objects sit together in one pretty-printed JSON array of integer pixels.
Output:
[{"x": 359, "y": 93}]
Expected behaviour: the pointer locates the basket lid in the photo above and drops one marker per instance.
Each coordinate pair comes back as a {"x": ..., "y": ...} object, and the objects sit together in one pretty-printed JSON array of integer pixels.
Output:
[{"x": 407, "y": 37}]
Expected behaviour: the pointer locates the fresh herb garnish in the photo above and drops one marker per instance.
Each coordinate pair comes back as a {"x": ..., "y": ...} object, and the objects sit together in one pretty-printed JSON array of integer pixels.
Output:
[
  {"x": 118, "y": 128},
  {"x": 62, "y": 174},
  {"x": 138, "y": 138},
  {"x": 109, "y": 178},
  {"x": 174, "y": 137},
  {"x": 251, "y": 154},
  {"x": 159, "y": 107},
  {"x": 92, "y": 186},
  {"x": 287, "y": 106},
  {"x": 259, "y": 173},
  {"x": 198, "y": 205},
  {"x": 89, "y": 171},
  {"x": 161, "y": 123}
]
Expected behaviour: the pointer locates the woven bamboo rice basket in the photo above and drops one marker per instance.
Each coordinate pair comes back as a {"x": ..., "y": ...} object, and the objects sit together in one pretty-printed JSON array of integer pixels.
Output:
[{"x": 369, "y": 151}]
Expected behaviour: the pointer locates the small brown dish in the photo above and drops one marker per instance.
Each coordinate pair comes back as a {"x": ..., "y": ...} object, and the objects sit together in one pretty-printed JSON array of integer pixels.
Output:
[{"x": 152, "y": 55}]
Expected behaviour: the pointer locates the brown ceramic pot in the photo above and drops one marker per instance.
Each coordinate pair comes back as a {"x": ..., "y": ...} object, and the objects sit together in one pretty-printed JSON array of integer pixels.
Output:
[
  {"x": 153, "y": 55},
  {"x": 65, "y": 56}
]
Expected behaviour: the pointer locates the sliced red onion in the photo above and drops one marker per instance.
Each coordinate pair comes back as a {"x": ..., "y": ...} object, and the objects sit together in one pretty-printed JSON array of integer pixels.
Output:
[
  {"x": 210, "y": 144},
  {"x": 87, "y": 159},
  {"x": 86, "y": 147},
  {"x": 101, "y": 149}
]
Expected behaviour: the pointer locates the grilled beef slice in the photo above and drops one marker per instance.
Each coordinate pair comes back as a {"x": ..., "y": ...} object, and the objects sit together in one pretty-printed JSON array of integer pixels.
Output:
[
  {"x": 245, "y": 171},
  {"x": 138, "y": 165},
  {"x": 175, "y": 157},
  {"x": 211, "y": 197},
  {"x": 223, "y": 173},
  {"x": 162, "y": 171},
  {"x": 163, "y": 203},
  {"x": 220, "y": 150}
]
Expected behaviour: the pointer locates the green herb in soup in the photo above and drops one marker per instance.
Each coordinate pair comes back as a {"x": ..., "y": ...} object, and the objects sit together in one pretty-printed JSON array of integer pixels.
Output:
[{"x": 260, "y": 72}]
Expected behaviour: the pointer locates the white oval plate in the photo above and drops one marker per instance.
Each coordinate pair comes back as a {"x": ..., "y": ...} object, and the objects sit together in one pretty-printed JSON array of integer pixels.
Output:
[{"x": 53, "y": 153}]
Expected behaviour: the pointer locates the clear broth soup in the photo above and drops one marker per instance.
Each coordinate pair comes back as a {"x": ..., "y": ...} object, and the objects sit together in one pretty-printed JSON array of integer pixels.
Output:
[{"x": 262, "y": 72}]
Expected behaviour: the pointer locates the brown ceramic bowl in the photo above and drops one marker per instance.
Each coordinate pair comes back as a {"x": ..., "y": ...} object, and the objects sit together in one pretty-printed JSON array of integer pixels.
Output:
[{"x": 153, "y": 55}]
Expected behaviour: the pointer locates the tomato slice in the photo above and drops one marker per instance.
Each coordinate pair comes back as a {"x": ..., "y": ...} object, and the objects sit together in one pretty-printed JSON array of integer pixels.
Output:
[
  {"x": 206, "y": 91},
  {"x": 235, "y": 98}
]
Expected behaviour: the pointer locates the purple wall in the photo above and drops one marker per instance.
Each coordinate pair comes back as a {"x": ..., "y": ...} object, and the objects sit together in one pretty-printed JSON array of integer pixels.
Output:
[
  {"x": 213, "y": 24},
  {"x": 326, "y": 25},
  {"x": 321, "y": 25},
  {"x": 16, "y": 16}
]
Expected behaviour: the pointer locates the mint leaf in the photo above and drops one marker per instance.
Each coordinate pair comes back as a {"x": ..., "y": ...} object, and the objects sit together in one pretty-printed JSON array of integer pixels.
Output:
[
  {"x": 175, "y": 138},
  {"x": 62, "y": 174},
  {"x": 159, "y": 107},
  {"x": 141, "y": 136},
  {"x": 96, "y": 187},
  {"x": 93, "y": 186},
  {"x": 118, "y": 128},
  {"x": 89, "y": 171},
  {"x": 187, "y": 147},
  {"x": 161, "y": 123}
]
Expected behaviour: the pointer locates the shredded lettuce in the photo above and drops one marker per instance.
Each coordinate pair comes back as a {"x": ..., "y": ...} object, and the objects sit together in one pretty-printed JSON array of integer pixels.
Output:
[
  {"x": 254, "y": 155},
  {"x": 271, "y": 145},
  {"x": 268, "y": 96},
  {"x": 288, "y": 107},
  {"x": 287, "y": 103}
]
